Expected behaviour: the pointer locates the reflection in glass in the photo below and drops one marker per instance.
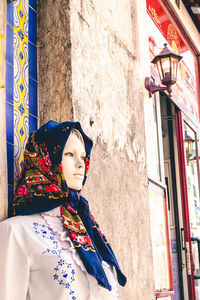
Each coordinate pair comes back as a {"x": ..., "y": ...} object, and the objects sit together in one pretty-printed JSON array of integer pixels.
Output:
[
  {"x": 159, "y": 69},
  {"x": 166, "y": 67},
  {"x": 193, "y": 197},
  {"x": 174, "y": 68},
  {"x": 151, "y": 128},
  {"x": 161, "y": 260}
]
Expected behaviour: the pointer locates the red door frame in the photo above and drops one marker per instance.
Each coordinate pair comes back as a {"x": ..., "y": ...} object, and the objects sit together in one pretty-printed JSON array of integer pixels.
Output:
[
  {"x": 170, "y": 9},
  {"x": 161, "y": 294},
  {"x": 180, "y": 118}
]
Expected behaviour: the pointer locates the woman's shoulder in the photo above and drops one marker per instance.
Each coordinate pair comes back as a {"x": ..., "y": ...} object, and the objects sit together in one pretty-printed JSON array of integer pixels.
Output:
[
  {"x": 18, "y": 223},
  {"x": 18, "y": 232}
]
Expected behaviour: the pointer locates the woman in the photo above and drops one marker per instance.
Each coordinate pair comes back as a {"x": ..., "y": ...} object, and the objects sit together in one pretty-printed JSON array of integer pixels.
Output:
[{"x": 52, "y": 248}]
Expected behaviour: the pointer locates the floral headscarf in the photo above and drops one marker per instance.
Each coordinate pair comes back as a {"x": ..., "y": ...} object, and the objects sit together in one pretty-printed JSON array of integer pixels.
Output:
[{"x": 42, "y": 187}]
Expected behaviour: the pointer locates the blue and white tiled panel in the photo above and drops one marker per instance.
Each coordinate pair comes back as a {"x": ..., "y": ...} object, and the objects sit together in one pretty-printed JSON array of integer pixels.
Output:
[{"x": 21, "y": 83}]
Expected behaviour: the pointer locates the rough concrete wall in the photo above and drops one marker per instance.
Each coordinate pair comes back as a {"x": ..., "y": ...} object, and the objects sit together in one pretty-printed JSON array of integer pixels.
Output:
[
  {"x": 3, "y": 153},
  {"x": 54, "y": 61},
  {"x": 107, "y": 89}
]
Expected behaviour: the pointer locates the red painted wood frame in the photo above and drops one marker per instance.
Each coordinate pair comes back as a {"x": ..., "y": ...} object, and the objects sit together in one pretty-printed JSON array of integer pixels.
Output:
[
  {"x": 169, "y": 256},
  {"x": 180, "y": 119},
  {"x": 168, "y": 243},
  {"x": 193, "y": 47},
  {"x": 165, "y": 294}
]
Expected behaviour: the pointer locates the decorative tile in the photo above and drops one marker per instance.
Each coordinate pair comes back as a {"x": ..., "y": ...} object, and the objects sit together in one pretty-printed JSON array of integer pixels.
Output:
[
  {"x": 9, "y": 123},
  {"x": 25, "y": 76},
  {"x": 17, "y": 141},
  {"x": 10, "y": 18},
  {"x": 16, "y": 20},
  {"x": 21, "y": 109},
  {"x": 18, "y": 163},
  {"x": 32, "y": 124},
  {"x": 9, "y": 45},
  {"x": 10, "y": 164},
  {"x": 17, "y": 66},
  {"x": 21, "y": 126},
  {"x": 9, "y": 82},
  {"x": 21, "y": 69},
  {"x": 32, "y": 26},
  {"x": 33, "y": 97},
  {"x": 33, "y": 4},
  {"x": 26, "y": 126},
  {"x": 10, "y": 194},
  {"x": 21, "y": 18},
  {"x": 17, "y": 154},
  {"x": 21, "y": 138},
  {"x": 32, "y": 61},
  {"x": 26, "y": 13}
]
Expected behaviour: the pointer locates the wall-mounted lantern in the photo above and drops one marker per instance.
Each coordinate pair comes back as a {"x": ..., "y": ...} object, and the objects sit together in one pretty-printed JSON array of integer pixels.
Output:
[{"x": 167, "y": 65}]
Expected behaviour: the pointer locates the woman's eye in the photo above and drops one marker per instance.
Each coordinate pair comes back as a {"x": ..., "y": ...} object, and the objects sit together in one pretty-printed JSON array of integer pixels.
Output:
[
  {"x": 69, "y": 154},
  {"x": 83, "y": 158}
]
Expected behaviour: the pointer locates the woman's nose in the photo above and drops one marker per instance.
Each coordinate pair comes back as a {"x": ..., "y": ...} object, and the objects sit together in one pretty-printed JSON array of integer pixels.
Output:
[{"x": 79, "y": 163}]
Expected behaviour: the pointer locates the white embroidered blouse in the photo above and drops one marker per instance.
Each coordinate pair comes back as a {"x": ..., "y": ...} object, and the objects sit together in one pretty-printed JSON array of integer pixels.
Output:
[{"x": 39, "y": 262}]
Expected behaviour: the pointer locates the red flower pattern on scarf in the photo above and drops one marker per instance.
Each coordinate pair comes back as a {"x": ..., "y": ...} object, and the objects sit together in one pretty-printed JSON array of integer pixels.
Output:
[
  {"x": 44, "y": 167},
  {"x": 22, "y": 191},
  {"x": 72, "y": 235},
  {"x": 52, "y": 188},
  {"x": 87, "y": 164}
]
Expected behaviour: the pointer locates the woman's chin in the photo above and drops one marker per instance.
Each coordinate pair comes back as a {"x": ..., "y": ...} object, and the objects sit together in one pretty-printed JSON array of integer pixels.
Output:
[{"x": 76, "y": 187}]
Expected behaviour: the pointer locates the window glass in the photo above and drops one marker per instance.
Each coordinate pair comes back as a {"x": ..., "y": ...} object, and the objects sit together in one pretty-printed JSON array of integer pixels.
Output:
[
  {"x": 192, "y": 180},
  {"x": 151, "y": 128},
  {"x": 192, "y": 177},
  {"x": 174, "y": 68},
  {"x": 160, "y": 240}
]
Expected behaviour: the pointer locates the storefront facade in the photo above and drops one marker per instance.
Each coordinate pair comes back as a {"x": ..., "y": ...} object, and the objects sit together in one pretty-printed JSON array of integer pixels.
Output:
[
  {"x": 84, "y": 64},
  {"x": 76, "y": 82},
  {"x": 172, "y": 130}
]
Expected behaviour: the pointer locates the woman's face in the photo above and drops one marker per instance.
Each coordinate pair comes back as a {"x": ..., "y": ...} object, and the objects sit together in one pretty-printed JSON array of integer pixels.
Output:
[{"x": 73, "y": 162}]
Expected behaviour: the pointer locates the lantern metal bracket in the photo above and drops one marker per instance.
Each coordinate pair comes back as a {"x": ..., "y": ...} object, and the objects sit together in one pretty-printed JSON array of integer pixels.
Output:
[
  {"x": 153, "y": 88},
  {"x": 167, "y": 65}
]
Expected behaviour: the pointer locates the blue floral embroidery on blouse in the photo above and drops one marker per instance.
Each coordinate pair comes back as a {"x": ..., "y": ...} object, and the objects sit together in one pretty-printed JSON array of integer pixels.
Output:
[
  {"x": 64, "y": 273},
  {"x": 67, "y": 275}
]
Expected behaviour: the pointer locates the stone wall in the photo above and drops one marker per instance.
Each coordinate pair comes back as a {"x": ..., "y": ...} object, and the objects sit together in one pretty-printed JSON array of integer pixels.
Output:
[
  {"x": 107, "y": 70},
  {"x": 107, "y": 89},
  {"x": 3, "y": 153},
  {"x": 54, "y": 61}
]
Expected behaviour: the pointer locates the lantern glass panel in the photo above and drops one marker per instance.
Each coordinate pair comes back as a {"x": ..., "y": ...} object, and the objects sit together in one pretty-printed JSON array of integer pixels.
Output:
[
  {"x": 165, "y": 62},
  {"x": 159, "y": 69},
  {"x": 174, "y": 63}
]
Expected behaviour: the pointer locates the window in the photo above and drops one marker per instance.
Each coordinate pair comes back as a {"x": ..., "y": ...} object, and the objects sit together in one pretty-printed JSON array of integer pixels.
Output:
[{"x": 152, "y": 141}]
